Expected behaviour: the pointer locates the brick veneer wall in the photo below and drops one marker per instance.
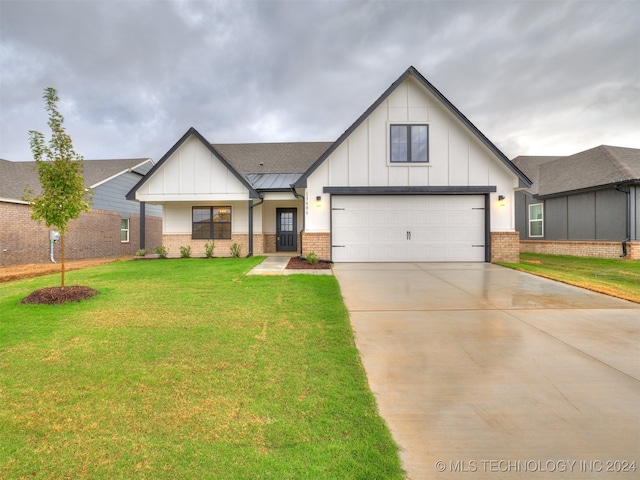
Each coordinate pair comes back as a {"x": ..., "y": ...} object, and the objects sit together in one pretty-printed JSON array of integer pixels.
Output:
[
  {"x": 269, "y": 242},
  {"x": 581, "y": 248},
  {"x": 505, "y": 247},
  {"x": 95, "y": 234},
  {"x": 317, "y": 242},
  {"x": 173, "y": 242},
  {"x": 262, "y": 243}
]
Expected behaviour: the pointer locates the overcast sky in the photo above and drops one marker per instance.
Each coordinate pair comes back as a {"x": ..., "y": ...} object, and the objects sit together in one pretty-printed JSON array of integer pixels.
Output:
[{"x": 536, "y": 77}]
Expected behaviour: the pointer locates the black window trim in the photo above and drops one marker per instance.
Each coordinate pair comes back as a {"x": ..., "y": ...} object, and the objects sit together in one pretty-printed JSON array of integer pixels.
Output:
[
  {"x": 408, "y": 160},
  {"x": 211, "y": 222}
]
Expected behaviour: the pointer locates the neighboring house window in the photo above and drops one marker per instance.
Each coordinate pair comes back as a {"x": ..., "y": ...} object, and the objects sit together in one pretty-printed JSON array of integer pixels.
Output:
[
  {"x": 535, "y": 220},
  {"x": 124, "y": 230},
  {"x": 212, "y": 223},
  {"x": 409, "y": 143}
]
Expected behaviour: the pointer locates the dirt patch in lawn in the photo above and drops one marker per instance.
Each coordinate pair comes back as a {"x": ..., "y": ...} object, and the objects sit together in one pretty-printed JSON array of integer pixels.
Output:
[
  {"x": 19, "y": 272},
  {"x": 297, "y": 263}
]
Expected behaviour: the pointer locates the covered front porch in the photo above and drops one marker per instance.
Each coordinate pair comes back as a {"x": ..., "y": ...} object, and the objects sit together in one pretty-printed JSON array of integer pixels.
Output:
[{"x": 269, "y": 225}]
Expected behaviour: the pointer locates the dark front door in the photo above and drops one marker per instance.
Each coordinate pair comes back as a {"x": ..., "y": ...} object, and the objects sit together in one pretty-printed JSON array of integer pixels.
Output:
[{"x": 286, "y": 229}]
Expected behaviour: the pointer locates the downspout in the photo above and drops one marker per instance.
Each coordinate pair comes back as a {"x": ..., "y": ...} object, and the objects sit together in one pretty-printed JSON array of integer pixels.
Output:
[
  {"x": 52, "y": 242},
  {"x": 251, "y": 205},
  {"x": 624, "y": 242},
  {"x": 304, "y": 214},
  {"x": 53, "y": 236}
]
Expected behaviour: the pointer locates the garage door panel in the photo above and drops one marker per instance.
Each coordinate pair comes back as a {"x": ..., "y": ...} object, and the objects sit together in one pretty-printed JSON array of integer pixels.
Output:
[{"x": 408, "y": 228}]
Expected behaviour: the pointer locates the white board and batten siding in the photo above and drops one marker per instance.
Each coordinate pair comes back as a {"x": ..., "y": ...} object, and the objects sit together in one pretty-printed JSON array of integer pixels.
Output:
[
  {"x": 192, "y": 173},
  {"x": 457, "y": 158},
  {"x": 193, "y": 176},
  {"x": 403, "y": 228}
]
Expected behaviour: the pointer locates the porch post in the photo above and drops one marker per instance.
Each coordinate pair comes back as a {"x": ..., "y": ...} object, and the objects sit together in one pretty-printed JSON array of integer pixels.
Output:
[
  {"x": 143, "y": 217},
  {"x": 250, "y": 228}
]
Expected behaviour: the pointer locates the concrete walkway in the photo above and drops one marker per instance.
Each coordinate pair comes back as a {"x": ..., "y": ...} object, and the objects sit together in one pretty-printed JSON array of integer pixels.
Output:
[
  {"x": 277, "y": 265},
  {"x": 484, "y": 372}
]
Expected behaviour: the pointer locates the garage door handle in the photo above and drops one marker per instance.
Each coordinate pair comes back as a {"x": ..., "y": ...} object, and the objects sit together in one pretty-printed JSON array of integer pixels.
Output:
[
  {"x": 338, "y": 246},
  {"x": 478, "y": 246},
  {"x": 408, "y": 235}
]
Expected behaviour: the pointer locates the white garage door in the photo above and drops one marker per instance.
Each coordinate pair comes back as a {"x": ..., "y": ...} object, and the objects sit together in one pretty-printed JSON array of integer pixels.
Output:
[{"x": 408, "y": 228}]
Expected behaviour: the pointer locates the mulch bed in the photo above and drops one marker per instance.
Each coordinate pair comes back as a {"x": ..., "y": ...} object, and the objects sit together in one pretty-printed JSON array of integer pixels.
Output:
[
  {"x": 297, "y": 263},
  {"x": 57, "y": 295}
]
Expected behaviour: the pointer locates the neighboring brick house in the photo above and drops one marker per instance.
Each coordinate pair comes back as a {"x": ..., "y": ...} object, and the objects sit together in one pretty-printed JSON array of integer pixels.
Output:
[
  {"x": 586, "y": 204},
  {"x": 412, "y": 179},
  {"x": 112, "y": 228}
]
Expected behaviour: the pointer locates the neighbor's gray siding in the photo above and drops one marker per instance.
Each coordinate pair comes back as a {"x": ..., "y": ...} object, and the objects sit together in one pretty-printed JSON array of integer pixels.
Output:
[
  {"x": 599, "y": 215},
  {"x": 111, "y": 196},
  {"x": 523, "y": 200},
  {"x": 581, "y": 217},
  {"x": 596, "y": 215},
  {"x": 611, "y": 215},
  {"x": 555, "y": 218}
]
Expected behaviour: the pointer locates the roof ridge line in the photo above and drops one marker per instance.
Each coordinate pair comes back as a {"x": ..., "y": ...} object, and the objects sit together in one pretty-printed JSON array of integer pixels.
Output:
[
  {"x": 272, "y": 143},
  {"x": 622, "y": 166}
]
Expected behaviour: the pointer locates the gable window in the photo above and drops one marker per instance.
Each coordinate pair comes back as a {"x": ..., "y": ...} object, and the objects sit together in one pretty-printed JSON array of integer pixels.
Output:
[
  {"x": 409, "y": 143},
  {"x": 124, "y": 230},
  {"x": 211, "y": 223},
  {"x": 535, "y": 220}
]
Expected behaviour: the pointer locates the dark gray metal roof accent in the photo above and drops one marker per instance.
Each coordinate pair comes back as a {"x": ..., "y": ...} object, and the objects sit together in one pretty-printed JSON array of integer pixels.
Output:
[
  {"x": 411, "y": 71},
  {"x": 591, "y": 169},
  {"x": 272, "y": 181},
  {"x": 16, "y": 176},
  {"x": 415, "y": 190},
  {"x": 192, "y": 131}
]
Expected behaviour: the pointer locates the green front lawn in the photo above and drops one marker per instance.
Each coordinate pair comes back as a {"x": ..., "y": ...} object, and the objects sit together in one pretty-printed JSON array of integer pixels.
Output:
[
  {"x": 186, "y": 369},
  {"x": 616, "y": 277}
]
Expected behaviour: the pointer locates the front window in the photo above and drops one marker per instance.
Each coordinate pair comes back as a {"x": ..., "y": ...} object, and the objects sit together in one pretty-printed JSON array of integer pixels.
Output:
[
  {"x": 211, "y": 223},
  {"x": 124, "y": 230},
  {"x": 535, "y": 220},
  {"x": 409, "y": 143}
]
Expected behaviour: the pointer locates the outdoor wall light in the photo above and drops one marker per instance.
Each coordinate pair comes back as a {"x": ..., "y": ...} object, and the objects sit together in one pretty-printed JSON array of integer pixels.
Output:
[
  {"x": 318, "y": 198},
  {"x": 500, "y": 197}
]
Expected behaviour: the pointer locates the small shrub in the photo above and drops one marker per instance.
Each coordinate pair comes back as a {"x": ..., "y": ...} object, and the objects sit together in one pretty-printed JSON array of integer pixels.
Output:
[
  {"x": 185, "y": 252},
  {"x": 208, "y": 249},
  {"x": 161, "y": 251},
  {"x": 312, "y": 258},
  {"x": 141, "y": 253},
  {"x": 235, "y": 250}
]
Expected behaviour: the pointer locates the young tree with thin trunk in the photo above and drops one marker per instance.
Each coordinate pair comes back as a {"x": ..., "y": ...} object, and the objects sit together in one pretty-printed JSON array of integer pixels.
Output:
[{"x": 63, "y": 196}]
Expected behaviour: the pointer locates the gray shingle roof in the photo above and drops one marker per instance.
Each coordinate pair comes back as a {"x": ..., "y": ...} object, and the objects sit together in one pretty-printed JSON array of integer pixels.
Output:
[
  {"x": 16, "y": 176},
  {"x": 293, "y": 157},
  {"x": 529, "y": 165},
  {"x": 596, "y": 167}
]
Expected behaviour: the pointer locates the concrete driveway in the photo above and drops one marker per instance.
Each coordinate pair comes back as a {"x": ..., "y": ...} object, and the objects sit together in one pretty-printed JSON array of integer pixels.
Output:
[{"x": 484, "y": 372}]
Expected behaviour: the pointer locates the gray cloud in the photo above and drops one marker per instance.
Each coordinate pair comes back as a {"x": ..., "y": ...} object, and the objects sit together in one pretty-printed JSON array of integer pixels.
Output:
[{"x": 537, "y": 77}]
